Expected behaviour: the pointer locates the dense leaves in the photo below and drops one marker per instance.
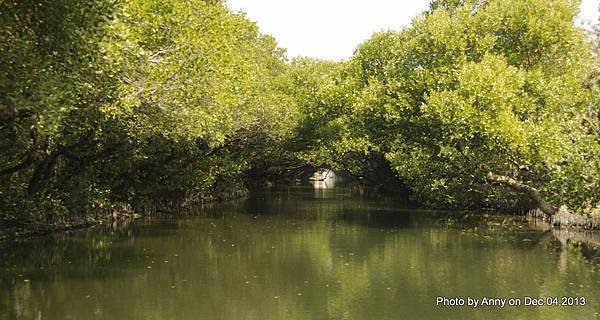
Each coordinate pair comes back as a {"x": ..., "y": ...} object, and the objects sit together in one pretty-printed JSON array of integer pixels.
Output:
[
  {"x": 483, "y": 103},
  {"x": 149, "y": 104},
  {"x": 155, "y": 105}
]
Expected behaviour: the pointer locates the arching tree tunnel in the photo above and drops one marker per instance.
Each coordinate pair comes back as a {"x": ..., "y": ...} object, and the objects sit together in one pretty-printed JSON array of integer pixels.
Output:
[{"x": 474, "y": 105}]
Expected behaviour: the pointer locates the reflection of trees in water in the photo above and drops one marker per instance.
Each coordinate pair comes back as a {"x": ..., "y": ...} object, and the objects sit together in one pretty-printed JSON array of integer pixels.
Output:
[
  {"x": 419, "y": 266},
  {"x": 30, "y": 271},
  {"x": 325, "y": 261}
]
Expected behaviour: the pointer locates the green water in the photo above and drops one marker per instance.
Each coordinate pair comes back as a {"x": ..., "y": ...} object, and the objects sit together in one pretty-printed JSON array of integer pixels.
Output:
[{"x": 298, "y": 253}]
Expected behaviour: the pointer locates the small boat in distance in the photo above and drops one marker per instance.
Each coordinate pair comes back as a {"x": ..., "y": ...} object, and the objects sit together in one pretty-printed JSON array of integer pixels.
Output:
[{"x": 322, "y": 175}]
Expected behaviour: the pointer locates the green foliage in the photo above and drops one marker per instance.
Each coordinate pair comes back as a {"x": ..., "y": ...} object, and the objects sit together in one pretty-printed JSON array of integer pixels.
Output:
[
  {"x": 204, "y": 80},
  {"x": 154, "y": 104},
  {"x": 53, "y": 79},
  {"x": 197, "y": 71},
  {"x": 478, "y": 87},
  {"x": 162, "y": 104}
]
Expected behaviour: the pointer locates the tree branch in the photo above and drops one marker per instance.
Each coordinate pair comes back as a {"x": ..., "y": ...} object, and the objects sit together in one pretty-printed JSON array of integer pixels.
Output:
[{"x": 532, "y": 192}]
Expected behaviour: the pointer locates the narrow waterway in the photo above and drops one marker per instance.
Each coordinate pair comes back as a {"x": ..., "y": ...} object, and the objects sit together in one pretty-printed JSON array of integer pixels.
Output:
[{"x": 297, "y": 253}]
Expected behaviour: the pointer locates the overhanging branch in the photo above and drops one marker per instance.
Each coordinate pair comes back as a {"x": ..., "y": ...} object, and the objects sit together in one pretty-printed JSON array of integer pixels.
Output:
[{"x": 530, "y": 191}]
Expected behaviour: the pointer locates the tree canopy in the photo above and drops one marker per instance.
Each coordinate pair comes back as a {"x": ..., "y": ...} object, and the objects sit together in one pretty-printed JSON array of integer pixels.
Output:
[
  {"x": 155, "y": 105},
  {"x": 478, "y": 104}
]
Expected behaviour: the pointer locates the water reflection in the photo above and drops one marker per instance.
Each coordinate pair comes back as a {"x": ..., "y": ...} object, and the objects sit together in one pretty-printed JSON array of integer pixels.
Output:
[{"x": 290, "y": 255}]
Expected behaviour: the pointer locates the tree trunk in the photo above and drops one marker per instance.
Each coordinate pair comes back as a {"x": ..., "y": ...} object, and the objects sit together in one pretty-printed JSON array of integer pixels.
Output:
[
  {"x": 532, "y": 192},
  {"x": 43, "y": 172}
]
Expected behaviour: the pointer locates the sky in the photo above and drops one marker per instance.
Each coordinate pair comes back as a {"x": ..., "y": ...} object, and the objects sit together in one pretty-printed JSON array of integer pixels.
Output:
[{"x": 332, "y": 29}]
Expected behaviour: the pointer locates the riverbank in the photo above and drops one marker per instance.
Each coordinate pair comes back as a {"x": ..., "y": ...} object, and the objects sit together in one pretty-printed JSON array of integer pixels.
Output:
[
  {"x": 15, "y": 231},
  {"x": 564, "y": 226},
  {"x": 565, "y": 219},
  {"x": 12, "y": 231}
]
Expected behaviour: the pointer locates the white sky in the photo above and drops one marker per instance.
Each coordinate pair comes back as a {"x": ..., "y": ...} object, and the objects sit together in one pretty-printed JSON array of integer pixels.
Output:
[{"x": 332, "y": 29}]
